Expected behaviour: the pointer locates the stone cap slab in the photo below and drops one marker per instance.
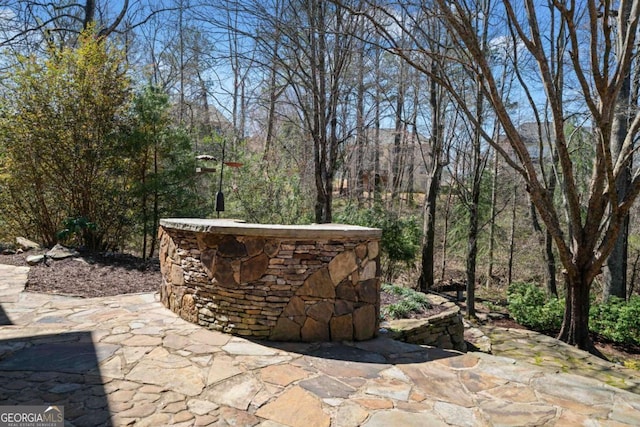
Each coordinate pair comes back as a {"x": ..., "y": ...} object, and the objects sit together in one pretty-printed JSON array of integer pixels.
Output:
[{"x": 239, "y": 227}]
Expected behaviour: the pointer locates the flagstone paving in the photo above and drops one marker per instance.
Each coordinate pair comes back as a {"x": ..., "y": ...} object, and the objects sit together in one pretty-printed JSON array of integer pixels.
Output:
[
  {"x": 127, "y": 360},
  {"x": 550, "y": 354}
]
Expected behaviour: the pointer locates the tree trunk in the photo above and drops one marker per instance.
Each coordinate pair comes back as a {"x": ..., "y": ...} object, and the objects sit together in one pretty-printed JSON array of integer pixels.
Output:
[
  {"x": 271, "y": 117},
  {"x": 492, "y": 223},
  {"x": 445, "y": 234},
  {"x": 472, "y": 255},
  {"x": 472, "y": 236},
  {"x": 512, "y": 235},
  {"x": 546, "y": 240},
  {"x": 398, "y": 137},
  {"x": 145, "y": 214},
  {"x": 321, "y": 195},
  {"x": 575, "y": 324},
  {"x": 377, "y": 187},
  {"x": 410, "y": 157},
  {"x": 411, "y": 164},
  {"x": 634, "y": 273},
  {"x": 552, "y": 286},
  {"x": 181, "y": 64},
  {"x": 549, "y": 256},
  {"x": 156, "y": 202},
  {"x": 474, "y": 203},
  {"x": 426, "y": 280},
  {"x": 377, "y": 180},
  {"x": 89, "y": 13},
  {"x": 274, "y": 91},
  {"x": 360, "y": 129},
  {"x": 615, "y": 271}
]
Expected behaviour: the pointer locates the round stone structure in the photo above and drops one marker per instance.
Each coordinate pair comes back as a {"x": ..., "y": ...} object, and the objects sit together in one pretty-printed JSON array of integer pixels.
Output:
[{"x": 277, "y": 282}]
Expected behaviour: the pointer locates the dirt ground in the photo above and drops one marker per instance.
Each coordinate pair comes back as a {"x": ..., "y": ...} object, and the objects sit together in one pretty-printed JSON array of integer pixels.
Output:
[{"x": 90, "y": 275}]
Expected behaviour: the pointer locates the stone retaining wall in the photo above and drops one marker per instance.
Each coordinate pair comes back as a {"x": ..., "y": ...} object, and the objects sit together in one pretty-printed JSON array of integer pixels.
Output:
[
  {"x": 308, "y": 283},
  {"x": 443, "y": 330}
]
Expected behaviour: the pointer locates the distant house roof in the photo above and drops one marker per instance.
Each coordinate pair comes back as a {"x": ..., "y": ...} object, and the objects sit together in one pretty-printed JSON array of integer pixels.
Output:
[
  {"x": 411, "y": 163},
  {"x": 534, "y": 136}
]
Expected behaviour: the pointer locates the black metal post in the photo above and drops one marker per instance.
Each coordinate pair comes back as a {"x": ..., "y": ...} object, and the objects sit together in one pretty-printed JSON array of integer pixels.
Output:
[{"x": 220, "y": 195}]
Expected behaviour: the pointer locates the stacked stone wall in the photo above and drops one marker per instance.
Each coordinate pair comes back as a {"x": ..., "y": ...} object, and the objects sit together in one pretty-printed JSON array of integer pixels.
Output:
[
  {"x": 276, "y": 288},
  {"x": 443, "y": 330}
]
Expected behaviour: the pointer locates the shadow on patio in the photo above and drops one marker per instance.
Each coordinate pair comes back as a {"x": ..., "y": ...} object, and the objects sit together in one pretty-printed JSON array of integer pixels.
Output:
[
  {"x": 57, "y": 369},
  {"x": 380, "y": 350}
]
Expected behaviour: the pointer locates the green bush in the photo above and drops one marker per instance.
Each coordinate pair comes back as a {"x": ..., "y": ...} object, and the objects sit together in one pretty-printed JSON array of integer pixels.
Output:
[
  {"x": 275, "y": 195},
  {"x": 64, "y": 122},
  {"x": 400, "y": 241},
  {"x": 617, "y": 320},
  {"x": 75, "y": 229},
  {"x": 400, "y": 235},
  {"x": 412, "y": 302},
  {"x": 529, "y": 305}
]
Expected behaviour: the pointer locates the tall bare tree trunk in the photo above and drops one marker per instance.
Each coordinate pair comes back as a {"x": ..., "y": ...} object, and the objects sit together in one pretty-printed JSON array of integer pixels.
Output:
[
  {"x": 181, "y": 65},
  {"x": 445, "y": 234},
  {"x": 398, "y": 136},
  {"x": 271, "y": 114},
  {"x": 492, "y": 223},
  {"x": 274, "y": 90},
  {"x": 512, "y": 235},
  {"x": 615, "y": 270},
  {"x": 472, "y": 238},
  {"x": 477, "y": 165},
  {"x": 426, "y": 280},
  {"x": 156, "y": 200},
  {"x": 377, "y": 187},
  {"x": 412, "y": 140},
  {"x": 546, "y": 242},
  {"x": 360, "y": 128}
]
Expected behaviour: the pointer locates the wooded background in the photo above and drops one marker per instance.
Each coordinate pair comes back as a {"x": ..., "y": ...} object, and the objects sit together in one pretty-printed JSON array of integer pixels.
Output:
[{"x": 492, "y": 139}]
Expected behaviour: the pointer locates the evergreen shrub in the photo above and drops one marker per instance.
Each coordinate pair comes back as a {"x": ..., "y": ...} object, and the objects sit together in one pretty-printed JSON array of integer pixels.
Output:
[
  {"x": 400, "y": 241},
  {"x": 617, "y": 320},
  {"x": 529, "y": 305}
]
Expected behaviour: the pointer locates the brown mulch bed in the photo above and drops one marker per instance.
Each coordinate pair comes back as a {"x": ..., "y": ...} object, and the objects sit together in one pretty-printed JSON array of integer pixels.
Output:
[{"x": 90, "y": 274}]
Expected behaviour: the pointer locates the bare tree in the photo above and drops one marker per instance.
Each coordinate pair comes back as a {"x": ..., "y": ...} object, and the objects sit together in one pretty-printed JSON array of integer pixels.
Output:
[
  {"x": 274, "y": 88},
  {"x": 27, "y": 23},
  {"x": 597, "y": 60},
  {"x": 361, "y": 137},
  {"x": 320, "y": 40},
  {"x": 398, "y": 157},
  {"x": 434, "y": 160},
  {"x": 615, "y": 271},
  {"x": 592, "y": 227},
  {"x": 481, "y": 24}
]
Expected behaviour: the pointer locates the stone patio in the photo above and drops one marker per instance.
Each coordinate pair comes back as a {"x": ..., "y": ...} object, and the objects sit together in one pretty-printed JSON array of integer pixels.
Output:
[{"x": 128, "y": 360}]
